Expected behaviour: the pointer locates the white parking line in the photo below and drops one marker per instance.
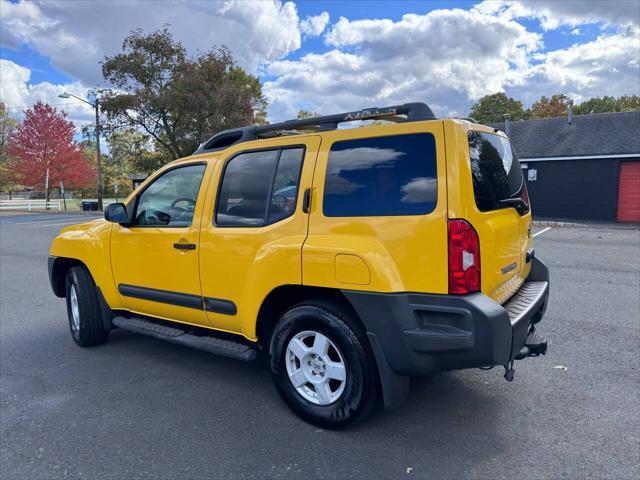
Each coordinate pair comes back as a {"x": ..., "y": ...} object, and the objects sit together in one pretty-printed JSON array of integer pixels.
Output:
[
  {"x": 42, "y": 224},
  {"x": 541, "y": 231},
  {"x": 45, "y": 220}
]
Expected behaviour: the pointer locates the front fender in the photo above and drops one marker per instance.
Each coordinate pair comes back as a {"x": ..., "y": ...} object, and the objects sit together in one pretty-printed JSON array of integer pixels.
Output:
[{"x": 90, "y": 243}]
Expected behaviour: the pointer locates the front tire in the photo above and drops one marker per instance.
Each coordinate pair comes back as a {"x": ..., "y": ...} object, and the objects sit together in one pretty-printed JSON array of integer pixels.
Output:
[
  {"x": 322, "y": 365},
  {"x": 83, "y": 308}
]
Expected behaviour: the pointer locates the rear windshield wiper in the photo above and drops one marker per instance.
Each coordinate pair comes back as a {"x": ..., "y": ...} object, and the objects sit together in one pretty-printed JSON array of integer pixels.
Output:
[{"x": 518, "y": 203}]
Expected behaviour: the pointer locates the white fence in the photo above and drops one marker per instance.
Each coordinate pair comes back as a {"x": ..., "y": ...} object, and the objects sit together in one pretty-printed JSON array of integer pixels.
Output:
[{"x": 29, "y": 204}]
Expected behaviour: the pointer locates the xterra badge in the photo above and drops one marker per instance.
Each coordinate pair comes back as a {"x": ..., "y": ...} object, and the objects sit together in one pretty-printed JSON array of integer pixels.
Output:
[{"x": 509, "y": 268}]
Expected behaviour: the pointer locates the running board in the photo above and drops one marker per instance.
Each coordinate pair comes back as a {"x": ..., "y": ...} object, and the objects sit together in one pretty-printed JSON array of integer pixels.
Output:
[{"x": 214, "y": 345}]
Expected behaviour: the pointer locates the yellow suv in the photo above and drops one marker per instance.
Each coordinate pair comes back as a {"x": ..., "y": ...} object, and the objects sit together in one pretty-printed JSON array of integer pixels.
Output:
[{"x": 354, "y": 258}]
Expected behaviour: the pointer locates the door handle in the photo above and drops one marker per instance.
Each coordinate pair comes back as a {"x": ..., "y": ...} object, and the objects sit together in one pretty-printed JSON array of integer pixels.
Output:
[
  {"x": 306, "y": 201},
  {"x": 184, "y": 246}
]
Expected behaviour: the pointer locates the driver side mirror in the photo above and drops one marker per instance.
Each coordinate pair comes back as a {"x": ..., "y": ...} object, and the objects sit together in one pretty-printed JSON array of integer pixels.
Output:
[{"x": 116, "y": 213}]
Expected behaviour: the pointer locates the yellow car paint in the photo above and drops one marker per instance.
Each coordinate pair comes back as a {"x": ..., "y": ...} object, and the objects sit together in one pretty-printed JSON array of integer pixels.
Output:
[
  {"x": 243, "y": 265},
  {"x": 502, "y": 233}
]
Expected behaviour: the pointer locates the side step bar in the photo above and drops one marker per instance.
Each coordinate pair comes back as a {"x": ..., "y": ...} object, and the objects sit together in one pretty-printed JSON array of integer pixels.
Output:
[{"x": 214, "y": 345}]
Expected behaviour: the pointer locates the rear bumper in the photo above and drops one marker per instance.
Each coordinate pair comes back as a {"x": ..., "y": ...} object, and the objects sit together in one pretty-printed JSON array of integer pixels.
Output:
[{"x": 417, "y": 334}]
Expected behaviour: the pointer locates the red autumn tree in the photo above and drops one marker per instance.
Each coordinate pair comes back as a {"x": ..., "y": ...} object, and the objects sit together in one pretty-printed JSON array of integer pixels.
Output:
[{"x": 43, "y": 145}]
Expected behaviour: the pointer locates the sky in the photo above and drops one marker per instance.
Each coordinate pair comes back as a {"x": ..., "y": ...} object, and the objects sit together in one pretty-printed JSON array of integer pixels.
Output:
[{"x": 333, "y": 56}]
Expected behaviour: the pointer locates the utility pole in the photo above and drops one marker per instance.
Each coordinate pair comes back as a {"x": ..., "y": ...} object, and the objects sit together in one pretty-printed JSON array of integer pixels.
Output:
[
  {"x": 96, "y": 105},
  {"x": 64, "y": 200},
  {"x": 98, "y": 158},
  {"x": 46, "y": 189}
]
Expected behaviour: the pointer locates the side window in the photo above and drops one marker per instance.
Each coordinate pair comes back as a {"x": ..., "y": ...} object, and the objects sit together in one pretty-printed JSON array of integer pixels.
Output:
[
  {"x": 259, "y": 188},
  {"x": 171, "y": 199},
  {"x": 394, "y": 175},
  {"x": 496, "y": 170}
]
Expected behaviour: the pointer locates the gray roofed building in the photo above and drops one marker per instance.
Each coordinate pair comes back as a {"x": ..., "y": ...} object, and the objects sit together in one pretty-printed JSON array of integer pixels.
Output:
[
  {"x": 581, "y": 167},
  {"x": 587, "y": 135}
]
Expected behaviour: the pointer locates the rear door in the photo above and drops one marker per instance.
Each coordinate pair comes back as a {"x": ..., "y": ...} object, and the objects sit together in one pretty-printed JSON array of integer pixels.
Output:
[
  {"x": 253, "y": 227},
  {"x": 504, "y": 232}
]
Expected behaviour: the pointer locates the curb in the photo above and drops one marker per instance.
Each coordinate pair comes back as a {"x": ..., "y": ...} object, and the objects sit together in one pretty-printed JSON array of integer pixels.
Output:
[
  {"x": 548, "y": 223},
  {"x": 612, "y": 226}
]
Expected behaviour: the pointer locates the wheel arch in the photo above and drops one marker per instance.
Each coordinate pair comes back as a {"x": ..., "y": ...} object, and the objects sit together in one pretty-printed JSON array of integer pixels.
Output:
[
  {"x": 58, "y": 269},
  {"x": 394, "y": 387},
  {"x": 280, "y": 299}
]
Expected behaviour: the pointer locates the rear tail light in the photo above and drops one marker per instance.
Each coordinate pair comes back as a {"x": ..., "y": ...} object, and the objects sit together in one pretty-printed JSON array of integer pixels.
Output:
[{"x": 464, "y": 258}]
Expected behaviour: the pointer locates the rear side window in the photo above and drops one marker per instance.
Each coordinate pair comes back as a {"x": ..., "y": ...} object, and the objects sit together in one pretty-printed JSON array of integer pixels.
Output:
[
  {"x": 259, "y": 188},
  {"x": 394, "y": 175},
  {"x": 496, "y": 170}
]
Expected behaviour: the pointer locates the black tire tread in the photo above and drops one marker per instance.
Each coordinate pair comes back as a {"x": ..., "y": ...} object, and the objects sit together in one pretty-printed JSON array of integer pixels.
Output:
[
  {"x": 92, "y": 331},
  {"x": 352, "y": 329},
  {"x": 344, "y": 317}
]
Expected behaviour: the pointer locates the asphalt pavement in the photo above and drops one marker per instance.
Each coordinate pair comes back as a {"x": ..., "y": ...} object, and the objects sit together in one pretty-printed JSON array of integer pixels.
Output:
[{"x": 137, "y": 407}]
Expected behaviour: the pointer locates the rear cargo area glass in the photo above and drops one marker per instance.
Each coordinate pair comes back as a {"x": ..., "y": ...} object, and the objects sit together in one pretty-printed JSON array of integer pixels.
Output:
[{"x": 496, "y": 170}]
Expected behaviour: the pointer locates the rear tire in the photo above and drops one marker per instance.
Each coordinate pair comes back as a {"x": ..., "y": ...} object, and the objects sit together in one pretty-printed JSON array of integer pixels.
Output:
[
  {"x": 322, "y": 365},
  {"x": 83, "y": 308}
]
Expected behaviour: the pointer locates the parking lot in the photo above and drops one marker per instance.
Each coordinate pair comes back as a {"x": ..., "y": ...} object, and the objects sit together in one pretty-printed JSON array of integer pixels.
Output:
[{"x": 139, "y": 407}]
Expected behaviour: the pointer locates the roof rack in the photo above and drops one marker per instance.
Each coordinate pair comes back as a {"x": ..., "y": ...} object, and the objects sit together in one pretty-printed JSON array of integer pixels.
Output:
[
  {"x": 468, "y": 119},
  {"x": 413, "y": 112}
]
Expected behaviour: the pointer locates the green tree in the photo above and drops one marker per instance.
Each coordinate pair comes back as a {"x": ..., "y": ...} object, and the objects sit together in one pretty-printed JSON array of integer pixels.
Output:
[
  {"x": 149, "y": 162},
  {"x": 176, "y": 100},
  {"x": 625, "y": 103},
  {"x": 555, "y": 106},
  {"x": 491, "y": 108},
  {"x": 302, "y": 114},
  {"x": 7, "y": 126},
  {"x": 596, "y": 105},
  {"x": 125, "y": 148},
  {"x": 628, "y": 103}
]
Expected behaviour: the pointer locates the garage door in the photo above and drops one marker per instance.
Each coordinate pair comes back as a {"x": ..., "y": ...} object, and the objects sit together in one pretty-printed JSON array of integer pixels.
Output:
[{"x": 629, "y": 192}]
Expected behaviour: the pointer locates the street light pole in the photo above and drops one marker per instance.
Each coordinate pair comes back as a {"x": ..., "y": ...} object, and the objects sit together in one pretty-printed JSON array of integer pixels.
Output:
[{"x": 96, "y": 106}]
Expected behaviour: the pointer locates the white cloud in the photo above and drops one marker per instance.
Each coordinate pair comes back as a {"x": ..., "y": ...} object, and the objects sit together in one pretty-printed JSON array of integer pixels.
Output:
[
  {"x": 15, "y": 91},
  {"x": 378, "y": 62},
  {"x": 419, "y": 190},
  {"x": 13, "y": 83},
  {"x": 609, "y": 65},
  {"x": 554, "y": 13},
  {"x": 314, "y": 26},
  {"x": 77, "y": 35},
  {"x": 362, "y": 157},
  {"x": 447, "y": 58}
]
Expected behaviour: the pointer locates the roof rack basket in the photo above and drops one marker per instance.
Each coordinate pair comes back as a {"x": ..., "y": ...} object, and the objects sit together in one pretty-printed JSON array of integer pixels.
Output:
[{"x": 412, "y": 111}]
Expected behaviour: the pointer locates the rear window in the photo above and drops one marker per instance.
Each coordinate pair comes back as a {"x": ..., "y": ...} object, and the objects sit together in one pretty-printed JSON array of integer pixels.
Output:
[
  {"x": 496, "y": 170},
  {"x": 394, "y": 175}
]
